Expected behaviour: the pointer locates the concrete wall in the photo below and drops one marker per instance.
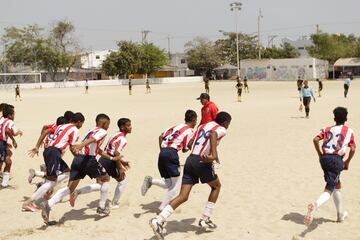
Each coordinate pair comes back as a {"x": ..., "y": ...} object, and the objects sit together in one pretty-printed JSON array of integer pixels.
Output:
[
  {"x": 284, "y": 69},
  {"x": 96, "y": 83}
]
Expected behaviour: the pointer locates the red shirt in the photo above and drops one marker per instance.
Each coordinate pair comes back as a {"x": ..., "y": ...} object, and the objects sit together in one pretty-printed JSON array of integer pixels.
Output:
[{"x": 208, "y": 112}]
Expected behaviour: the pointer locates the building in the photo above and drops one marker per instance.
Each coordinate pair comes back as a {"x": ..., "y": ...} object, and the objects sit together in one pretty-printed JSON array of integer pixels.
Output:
[
  {"x": 300, "y": 45},
  {"x": 179, "y": 62},
  {"x": 345, "y": 66},
  {"x": 284, "y": 69}
]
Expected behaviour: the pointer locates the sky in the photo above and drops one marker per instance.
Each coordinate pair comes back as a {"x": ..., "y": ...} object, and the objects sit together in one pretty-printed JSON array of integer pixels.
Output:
[{"x": 100, "y": 24}]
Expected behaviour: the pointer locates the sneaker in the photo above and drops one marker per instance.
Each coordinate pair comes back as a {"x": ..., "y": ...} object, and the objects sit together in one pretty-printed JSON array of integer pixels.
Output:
[
  {"x": 207, "y": 224},
  {"x": 146, "y": 185},
  {"x": 48, "y": 194},
  {"x": 43, "y": 167},
  {"x": 45, "y": 211},
  {"x": 157, "y": 228},
  {"x": 114, "y": 205},
  {"x": 31, "y": 175},
  {"x": 309, "y": 216},
  {"x": 29, "y": 207},
  {"x": 342, "y": 216},
  {"x": 73, "y": 197},
  {"x": 103, "y": 211}
]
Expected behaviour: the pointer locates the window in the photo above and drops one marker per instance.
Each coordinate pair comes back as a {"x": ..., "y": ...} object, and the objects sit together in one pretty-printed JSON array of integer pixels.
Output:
[
  {"x": 97, "y": 57},
  {"x": 310, "y": 66},
  {"x": 301, "y": 48},
  {"x": 183, "y": 60}
]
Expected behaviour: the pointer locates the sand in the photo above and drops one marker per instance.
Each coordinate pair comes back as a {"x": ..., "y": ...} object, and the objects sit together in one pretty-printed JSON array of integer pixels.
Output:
[{"x": 269, "y": 172}]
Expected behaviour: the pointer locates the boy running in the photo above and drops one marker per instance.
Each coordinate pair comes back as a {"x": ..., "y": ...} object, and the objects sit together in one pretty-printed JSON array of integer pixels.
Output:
[
  {"x": 17, "y": 92},
  {"x": 198, "y": 166},
  {"x": 246, "y": 86},
  {"x": 320, "y": 87},
  {"x": 171, "y": 141},
  {"x": 239, "y": 87},
  {"x": 306, "y": 93},
  {"x": 148, "y": 88},
  {"x": 347, "y": 83},
  {"x": 335, "y": 141}
]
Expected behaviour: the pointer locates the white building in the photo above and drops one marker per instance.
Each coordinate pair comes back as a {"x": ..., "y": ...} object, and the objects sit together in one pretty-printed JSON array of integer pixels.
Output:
[
  {"x": 300, "y": 45},
  {"x": 178, "y": 60},
  {"x": 94, "y": 59},
  {"x": 284, "y": 69}
]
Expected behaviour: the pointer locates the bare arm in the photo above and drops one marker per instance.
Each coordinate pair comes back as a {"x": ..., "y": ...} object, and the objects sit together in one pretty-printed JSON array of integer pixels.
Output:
[
  {"x": 160, "y": 140},
  {"x": 351, "y": 155},
  {"x": 44, "y": 132},
  {"x": 213, "y": 146},
  {"x": 75, "y": 149},
  {"x": 316, "y": 141},
  {"x": 8, "y": 133}
]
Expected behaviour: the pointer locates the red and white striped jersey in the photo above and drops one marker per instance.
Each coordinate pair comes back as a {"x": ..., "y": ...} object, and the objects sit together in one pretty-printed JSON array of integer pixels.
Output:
[
  {"x": 177, "y": 137},
  {"x": 6, "y": 123},
  {"x": 336, "y": 139},
  {"x": 64, "y": 136},
  {"x": 52, "y": 128},
  {"x": 201, "y": 145},
  {"x": 116, "y": 144},
  {"x": 99, "y": 134}
]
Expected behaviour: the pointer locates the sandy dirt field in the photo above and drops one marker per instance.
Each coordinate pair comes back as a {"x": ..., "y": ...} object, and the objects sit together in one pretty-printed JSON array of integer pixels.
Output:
[{"x": 269, "y": 173}]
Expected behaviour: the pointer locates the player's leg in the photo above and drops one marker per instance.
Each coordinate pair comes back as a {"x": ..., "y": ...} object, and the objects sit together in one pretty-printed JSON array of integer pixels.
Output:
[
  {"x": 174, "y": 184},
  {"x": 205, "y": 221},
  {"x": 341, "y": 214},
  {"x": 7, "y": 168},
  {"x": 104, "y": 190}
]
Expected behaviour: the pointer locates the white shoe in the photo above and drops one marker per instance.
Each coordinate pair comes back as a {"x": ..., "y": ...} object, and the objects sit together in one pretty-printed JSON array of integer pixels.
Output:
[
  {"x": 157, "y": 228},
  {"x": 146, "y": 185},
  {"x": 31, "y": 175},
  {"x": 207, "y": 224},
  {"x": 114, "y": 205},
  {"x": 309, "y": 216},
  {"x": 342, "y": 216}
]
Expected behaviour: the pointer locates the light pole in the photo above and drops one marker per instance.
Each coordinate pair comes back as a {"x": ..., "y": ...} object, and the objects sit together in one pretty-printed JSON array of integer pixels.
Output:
[
  {"x": 259, "y": 45},
  {"x": 236, "y": 7}
]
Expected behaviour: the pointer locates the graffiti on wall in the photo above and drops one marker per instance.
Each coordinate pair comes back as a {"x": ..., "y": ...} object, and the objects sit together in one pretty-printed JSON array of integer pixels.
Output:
[{"x": 257, "y": 73}]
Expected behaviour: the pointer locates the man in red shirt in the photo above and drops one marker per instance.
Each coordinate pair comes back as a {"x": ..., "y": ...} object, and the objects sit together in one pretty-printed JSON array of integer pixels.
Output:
[{"x": 209, "y": 109}]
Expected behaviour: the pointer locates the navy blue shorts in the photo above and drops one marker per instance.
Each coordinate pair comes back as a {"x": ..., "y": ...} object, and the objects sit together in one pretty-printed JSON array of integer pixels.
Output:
[
  {"x": 168, "y": 163},
  {"x": 110, "y": 167},
  {"x": 332, "y": 166},
  {"x": 195, "y": 169},
  {"x": 53, "y": 161},
  {"x": 83, "y": 165},
  {"x": 3, "y": 146}
]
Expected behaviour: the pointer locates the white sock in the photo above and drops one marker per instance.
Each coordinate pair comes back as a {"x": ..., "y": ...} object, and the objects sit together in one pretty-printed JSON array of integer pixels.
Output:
[
  {"x": 59, "y": 195},
  {"x": 175, "y": 184},
  {"x": 324, "y": 197},
  {"x": 39, "y": 173},
  {"x": 208, "y": 210},
  {"x": 48, "y": 185},
  {"x": 62, "y": 177},
  {"x": 161, "y": 183},
  {"x": 119, "y": 189},
  {"x": 103, "y": 194},
  {"x": 337, "y": 200},
  {"x": 5, "y": 180},
  {"x": 165, "y": 213},
  {"x": 89, "y": 188}
]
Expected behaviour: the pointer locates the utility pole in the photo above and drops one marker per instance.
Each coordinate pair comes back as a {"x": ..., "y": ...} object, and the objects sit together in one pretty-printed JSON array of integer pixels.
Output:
[
  {"x": 144, "y": 34},
  {"x": 236, "y": 6},
  {"x": 259, "y": 44},
  {"x": 168, "y": 40},
  {"x": 271, "y": 40},
  {"x": 317, "y": 29}
]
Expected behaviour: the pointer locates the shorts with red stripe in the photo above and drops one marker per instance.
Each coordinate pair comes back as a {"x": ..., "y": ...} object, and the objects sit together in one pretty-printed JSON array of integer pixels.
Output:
[
  {"x": 53, "y": 161},
  {"x": 195, "y": 169}
]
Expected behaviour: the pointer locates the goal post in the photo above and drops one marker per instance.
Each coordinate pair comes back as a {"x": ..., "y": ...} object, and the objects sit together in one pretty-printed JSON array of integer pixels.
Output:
[{"x": 7, "y": 80}]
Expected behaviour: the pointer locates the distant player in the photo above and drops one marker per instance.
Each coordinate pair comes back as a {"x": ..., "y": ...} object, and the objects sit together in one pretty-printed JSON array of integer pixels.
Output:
[
  {"x": 198, "y": 166},
  {"x": 209, "y": 109},
  {"x": 320, "y": 87},
  {"x": 347, "y": 83},
  {"x": 85, "y": 163},
  {"x": 246, "y": 86},
  {"x": 7, "y": 129},
  {"x": 239, "y": 87},
  {"x": 86, "y": 86},
  {"x": 335, "y": 141},
  {"x": 207, "y": 87},
  {"x": 306, "y": 93},
  {"x": 114, "y": 165},
  {"x": 56, "y": 168},
  {"x": 17, "y": 92},
  {"x": 171, "y": 141},
  {"x": 299, "y": 84},
  {"x": 130, "y": 86},
  {"x": 148, "y": 88}
]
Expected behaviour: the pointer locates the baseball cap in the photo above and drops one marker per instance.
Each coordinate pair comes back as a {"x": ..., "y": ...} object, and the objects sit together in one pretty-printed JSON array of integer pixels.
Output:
[{"x": 204, "y": 96}]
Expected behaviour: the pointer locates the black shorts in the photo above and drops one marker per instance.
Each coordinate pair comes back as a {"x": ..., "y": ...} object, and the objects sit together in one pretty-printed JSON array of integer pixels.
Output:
[
  {"x": 195, "y": 169},
  {"x": 110, "y": 167},
  {"x": 3, "y": 146},
  {"x": 83, "y": 165},
  {"x": 306, "y": 101},
  {"x": 332, "y": 165},
  {"x": 346, "y": 87},
  {"x": 53, "y": 161},
  {"x": 86, "y": 87},
  {"x": 168, "y": 163}
]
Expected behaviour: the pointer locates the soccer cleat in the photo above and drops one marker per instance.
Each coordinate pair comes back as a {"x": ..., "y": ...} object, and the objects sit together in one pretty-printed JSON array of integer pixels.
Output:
[
  {"x": 45, "y": 212},
  {"x": 31, "y": 175},
  {"x": 342, "y": 216},
  {"x": 114, "y": 205},
  {"x": 103, "y": 211},
  {"x": 309, "y": 216},
  {"x": 73, "y": 197},
  {"x": 43, "y": 168},
  {"x": 146, "y": 185},
  {"x": 157, "y": 228},
  {"x": 207, "y": 224},
  {"x": 48, "y": 194},
  {"x": 29, "y": 207}
]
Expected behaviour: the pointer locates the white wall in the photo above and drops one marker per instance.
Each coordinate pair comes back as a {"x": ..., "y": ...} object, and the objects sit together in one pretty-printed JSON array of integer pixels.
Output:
[{"x": 95, "y": 83}]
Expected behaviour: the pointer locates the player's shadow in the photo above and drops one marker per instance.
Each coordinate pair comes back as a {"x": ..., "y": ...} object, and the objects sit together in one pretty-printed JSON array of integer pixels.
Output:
[
  {"x": 299, "y": 219},
  {"x": 152, "y": 207},
  {"x": 298, "y": 117},
  {"x": 184, "y": 226}
]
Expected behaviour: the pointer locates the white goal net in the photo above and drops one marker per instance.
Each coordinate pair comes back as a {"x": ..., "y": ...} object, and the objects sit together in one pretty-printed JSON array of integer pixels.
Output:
[{"x": 9, "y": 80}]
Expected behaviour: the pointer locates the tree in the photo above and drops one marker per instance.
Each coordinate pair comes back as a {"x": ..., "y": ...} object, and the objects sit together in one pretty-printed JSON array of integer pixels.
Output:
[
  {"x": 126, "y": 60},
  {"x": 152, "y": 59},
  {"x": 202, "y": 55},
  {"x": 284, "y": 51}
]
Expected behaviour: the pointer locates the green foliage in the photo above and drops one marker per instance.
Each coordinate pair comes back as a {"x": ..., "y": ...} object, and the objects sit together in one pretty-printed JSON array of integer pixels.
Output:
[
  {"x": 202, "y": 55},
  {"x": 152, "y": 58},
  {"x": 284, "y": 51}
]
